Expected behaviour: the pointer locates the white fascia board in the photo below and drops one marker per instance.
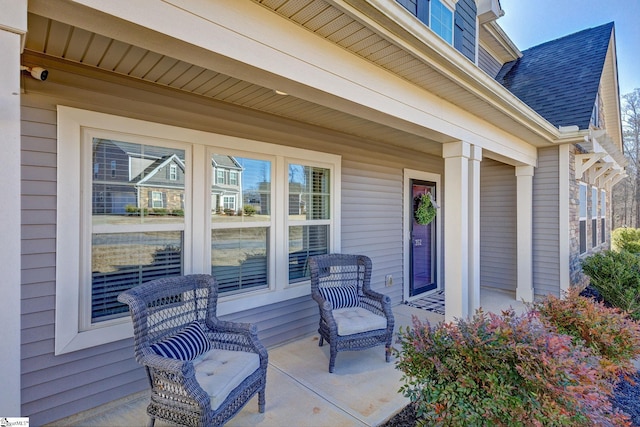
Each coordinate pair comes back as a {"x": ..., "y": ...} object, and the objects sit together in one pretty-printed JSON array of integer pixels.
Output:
[
  {"x": 14, "y": 19},
  {"x": 273, "y": 52}
]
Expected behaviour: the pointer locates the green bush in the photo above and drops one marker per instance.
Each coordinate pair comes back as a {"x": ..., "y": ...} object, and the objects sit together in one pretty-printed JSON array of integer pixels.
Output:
[
  {"x": 616, "y": 275},
  {"x": 502, "y": 370},
  {"x": 177, "y": 212},
  {"x": 249, "y": 210},
  {"x": 131, "y": 209},
  {"x": 611, "y": 334},
  {"x": 626, "y": 239}
]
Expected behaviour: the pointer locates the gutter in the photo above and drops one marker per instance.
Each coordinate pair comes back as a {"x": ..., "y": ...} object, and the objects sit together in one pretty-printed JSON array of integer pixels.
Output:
[{"x": 396, "y": 24}]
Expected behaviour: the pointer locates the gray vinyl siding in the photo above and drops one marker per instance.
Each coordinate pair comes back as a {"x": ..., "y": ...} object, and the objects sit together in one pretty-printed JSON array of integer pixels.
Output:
[
  {"x": 372, "y": 222},
  {"x": 488, "y": 63},
  {"x": 498, "y": 244},
  {"x": 546, "y": 223},
  {"x": 464, "y": 28},
  {"x": 410, "y": 5},
  {"x": 54, "y": 387}
]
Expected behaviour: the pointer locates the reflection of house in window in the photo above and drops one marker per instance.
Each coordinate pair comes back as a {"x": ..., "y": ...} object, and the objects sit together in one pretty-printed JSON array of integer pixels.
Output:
[
  {"x": 226, "y": 191},
  {"x": 126, "y": 174}
]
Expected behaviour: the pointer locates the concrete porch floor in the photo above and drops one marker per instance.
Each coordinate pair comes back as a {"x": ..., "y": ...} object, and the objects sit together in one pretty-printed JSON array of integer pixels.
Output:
[{"x": 362, "y": 391}]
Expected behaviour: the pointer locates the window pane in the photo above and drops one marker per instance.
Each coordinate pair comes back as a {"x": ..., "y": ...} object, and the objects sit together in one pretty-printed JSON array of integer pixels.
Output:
[
  {"x": 594, "y": 232},
  {"x": 305, "y": 241},
  {"x": 583, "y": 236},
  {"x": 583, "y": 201},
  {"x": 247, "y": 196},
  {"x": 309, "y": 192},
  {"x": 239, "y": 260},
  {"x": 594, "y": 202},
  {"x": 603, "y": 204},
  {"x": 120, "y": 261},
  {"x": 132, "y": 183},
  {"x": 442, "y": 20}
]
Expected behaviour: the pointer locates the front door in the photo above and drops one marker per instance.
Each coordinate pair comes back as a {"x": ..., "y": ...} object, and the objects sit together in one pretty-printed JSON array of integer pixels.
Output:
[{"x": 423, "y": 264}]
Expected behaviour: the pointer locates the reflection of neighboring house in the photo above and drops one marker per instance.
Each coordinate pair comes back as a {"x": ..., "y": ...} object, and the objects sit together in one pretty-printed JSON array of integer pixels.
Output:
[
  {"x": 226, "y": 188},
  {"x": 161, "y": 184},
  {"x": 122, "y": 178}
]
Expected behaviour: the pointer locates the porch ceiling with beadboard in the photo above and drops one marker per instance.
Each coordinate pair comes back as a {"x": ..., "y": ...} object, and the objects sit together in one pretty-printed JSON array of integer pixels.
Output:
[{"x": 74, "y": 47}]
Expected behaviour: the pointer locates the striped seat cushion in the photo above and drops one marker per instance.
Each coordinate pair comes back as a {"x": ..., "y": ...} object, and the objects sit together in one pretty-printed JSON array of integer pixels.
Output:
[
  {"x": 341, "y": 296},
  {"x": 185, "y": 345}
]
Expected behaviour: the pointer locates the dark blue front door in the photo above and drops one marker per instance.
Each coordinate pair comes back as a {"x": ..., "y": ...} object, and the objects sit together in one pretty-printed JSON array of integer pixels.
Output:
[{"x": 423, "y": 244}]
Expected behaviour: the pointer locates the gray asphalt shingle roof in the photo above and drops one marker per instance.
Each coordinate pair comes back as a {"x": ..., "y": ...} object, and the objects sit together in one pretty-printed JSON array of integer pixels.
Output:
[{"x": 559, "y": 79}]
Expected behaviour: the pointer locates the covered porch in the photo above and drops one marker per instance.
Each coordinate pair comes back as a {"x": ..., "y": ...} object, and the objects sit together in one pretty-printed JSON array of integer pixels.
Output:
[
  {"x": 363, "y": 390},
  {"x": 277, "y": 89}
]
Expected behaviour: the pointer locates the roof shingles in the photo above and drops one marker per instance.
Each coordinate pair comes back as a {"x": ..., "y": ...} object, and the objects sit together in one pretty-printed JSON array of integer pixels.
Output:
[{"x": 560, "y": 79}]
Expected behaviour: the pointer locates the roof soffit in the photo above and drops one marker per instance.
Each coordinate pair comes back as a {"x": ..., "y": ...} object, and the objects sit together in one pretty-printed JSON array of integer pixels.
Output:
[
  {"x": 475, "y": 90},
  {"x": 401, "y": 28}
]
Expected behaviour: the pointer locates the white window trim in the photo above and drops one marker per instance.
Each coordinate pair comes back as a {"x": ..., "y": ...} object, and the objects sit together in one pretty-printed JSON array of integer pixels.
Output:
[{"x": 69, "y": 335}]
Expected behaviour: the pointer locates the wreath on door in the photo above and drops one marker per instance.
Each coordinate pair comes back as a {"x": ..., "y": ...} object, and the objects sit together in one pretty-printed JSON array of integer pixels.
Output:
[{"x": 425, "y": 210}]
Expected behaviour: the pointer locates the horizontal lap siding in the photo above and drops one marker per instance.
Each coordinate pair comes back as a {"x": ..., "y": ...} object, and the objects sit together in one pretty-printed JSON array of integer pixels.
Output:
[
  {"x": 488, "y": 63},
  {"x": 498, "y": 227},
  {"x": 546, "y": 211},
  {"x": 54, "y": 387},
  {"x": 372, "y": 220}
]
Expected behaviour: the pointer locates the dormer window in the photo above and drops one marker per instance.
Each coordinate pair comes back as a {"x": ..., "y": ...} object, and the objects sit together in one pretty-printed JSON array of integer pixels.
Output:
[
  {"x": 441, "y": 20},
  {"x": 435, "y": 14}
]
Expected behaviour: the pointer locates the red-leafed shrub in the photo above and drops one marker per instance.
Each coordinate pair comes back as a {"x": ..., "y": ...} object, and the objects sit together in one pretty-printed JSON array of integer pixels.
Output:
[
  {"x": 610, "y": 333},
  {"x": 502, "y": 370}
]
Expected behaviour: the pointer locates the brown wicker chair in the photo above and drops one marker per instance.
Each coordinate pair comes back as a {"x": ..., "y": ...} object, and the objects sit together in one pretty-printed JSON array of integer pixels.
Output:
[
  {"x": 352, "y": 316},
  {"x": 186, "y": 392}
]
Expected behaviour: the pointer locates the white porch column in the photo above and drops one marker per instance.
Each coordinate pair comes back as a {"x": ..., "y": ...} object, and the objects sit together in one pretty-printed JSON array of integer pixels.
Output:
[
  {"x": 456, "y": 226},
  {"x": 524, "y": 178},
  {"x": 474, "y": 228},
  {"x": 13, "y": 27}
]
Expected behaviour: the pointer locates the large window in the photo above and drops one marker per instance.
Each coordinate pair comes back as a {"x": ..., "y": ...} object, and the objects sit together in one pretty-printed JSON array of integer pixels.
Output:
[
  {"x": 583, "y": 218},
  {"x": 254, "y": 219}
]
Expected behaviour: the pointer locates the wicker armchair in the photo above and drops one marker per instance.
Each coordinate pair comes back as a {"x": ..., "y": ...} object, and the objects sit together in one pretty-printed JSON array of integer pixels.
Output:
[
  {"x": 224, "y": 362},
  {"x": 352, "y": 316}
]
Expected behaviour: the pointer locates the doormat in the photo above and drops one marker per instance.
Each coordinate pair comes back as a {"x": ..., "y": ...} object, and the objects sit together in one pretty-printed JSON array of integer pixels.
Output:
[{"x": 433, "y": 302}]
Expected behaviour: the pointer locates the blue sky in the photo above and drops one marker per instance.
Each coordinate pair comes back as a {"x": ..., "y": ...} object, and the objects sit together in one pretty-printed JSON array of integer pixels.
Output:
[{"x": 531, "y": 22}]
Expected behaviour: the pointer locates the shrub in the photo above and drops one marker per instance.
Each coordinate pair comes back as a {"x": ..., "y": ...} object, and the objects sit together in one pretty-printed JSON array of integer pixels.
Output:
[
  {"x": 502, "y": 370},
  {"x": 131, "y": 209},
  {"x": 616, "y": 276},
  {"x": 158, "y": 211},
  {"x": 611, "y": 334},
  {"x": 249, "y": 210},
  {"x": 177, "y": 212},
  {"x": 626, "y": 239}
]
